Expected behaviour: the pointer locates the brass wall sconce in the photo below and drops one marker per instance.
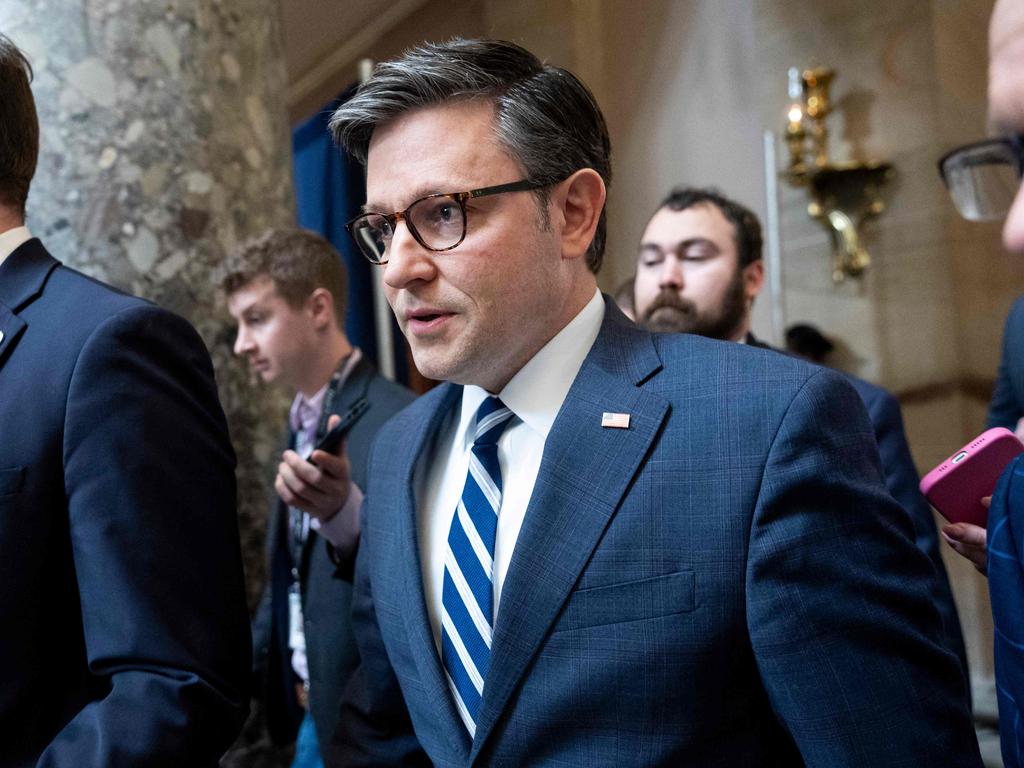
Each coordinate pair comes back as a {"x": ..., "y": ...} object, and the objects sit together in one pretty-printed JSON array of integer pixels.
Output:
[{"x": 843, "y": 195}]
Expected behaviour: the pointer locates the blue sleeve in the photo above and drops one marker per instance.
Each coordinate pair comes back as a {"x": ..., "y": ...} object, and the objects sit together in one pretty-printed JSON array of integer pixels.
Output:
[
  {"x": 902, "y": 480},
  {"x": 149, "y": 477},
  {"x": 845, "y": 636},
  {"x": 375, "y": 730}
]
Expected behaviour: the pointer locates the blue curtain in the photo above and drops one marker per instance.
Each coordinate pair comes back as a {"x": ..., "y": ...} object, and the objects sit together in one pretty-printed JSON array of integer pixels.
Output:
[{"x": 329, "y": 188}]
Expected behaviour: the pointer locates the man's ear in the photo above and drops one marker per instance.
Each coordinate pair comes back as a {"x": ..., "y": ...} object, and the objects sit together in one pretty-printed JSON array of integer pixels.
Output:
[
  {"x": 753, "y": 279},
  {"x": 321, "y": 307},
  {"x": 580, "y": 199}
]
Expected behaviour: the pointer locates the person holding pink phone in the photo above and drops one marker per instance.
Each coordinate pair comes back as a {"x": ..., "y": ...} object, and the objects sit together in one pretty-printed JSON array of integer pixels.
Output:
[{"x": 969, "y": 173}]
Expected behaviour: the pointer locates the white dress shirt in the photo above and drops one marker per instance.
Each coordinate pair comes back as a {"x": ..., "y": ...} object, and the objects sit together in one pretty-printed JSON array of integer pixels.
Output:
[
  {"x": 11, "y": 240},
  {"x": 535, "y": 395}
]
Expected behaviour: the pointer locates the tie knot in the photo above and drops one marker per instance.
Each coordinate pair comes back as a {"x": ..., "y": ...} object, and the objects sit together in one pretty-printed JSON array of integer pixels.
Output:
[{"x": 491, "y": 419}]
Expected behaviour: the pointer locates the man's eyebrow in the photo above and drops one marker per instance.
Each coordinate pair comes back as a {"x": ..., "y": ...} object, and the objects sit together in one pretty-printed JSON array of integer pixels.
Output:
[
  {"x": 417, "y": 194},
  {"x": 682, "y": 245},
  {"x": 255, "y": 305},
  {"x": 699, "y": 241}
]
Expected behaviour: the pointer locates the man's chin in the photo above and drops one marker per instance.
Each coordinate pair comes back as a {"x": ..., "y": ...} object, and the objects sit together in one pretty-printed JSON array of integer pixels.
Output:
[{"x": 669, "y": 322}]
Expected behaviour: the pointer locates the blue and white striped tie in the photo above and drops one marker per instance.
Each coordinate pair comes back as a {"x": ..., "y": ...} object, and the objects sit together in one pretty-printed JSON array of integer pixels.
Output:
[{"x": 467, "y": 597}]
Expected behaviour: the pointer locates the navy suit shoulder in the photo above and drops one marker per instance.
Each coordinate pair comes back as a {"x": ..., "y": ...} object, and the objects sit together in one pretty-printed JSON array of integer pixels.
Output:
[
  {"x": 118, "y": 537},
  {"x": 1006, "y": 407}
]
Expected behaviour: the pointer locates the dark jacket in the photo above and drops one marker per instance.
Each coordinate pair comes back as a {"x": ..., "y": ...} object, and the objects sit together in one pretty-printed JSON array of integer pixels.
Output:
[
  {"x": 125, "y": 634},
  {"x": 330, "y": 645}
]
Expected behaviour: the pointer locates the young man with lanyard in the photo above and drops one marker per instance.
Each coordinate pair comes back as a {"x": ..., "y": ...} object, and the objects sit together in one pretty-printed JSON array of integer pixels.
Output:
[{"x": 287, "y": 292}]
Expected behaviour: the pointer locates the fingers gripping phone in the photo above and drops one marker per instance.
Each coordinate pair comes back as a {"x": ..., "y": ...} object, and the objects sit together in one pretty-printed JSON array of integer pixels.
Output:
[
  {"x": 330, "y": 442},
  {"x": 958, "y": 484}
]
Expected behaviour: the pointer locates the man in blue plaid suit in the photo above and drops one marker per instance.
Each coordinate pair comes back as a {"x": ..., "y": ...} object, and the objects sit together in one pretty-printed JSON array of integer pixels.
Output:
[{"x": 595, "y": 545}]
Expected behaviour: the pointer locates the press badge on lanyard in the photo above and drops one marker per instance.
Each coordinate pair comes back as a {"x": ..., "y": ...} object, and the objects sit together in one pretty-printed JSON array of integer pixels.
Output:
[
  {"x": 300, "y": 523},
  {"x": 296, "y": 634}
]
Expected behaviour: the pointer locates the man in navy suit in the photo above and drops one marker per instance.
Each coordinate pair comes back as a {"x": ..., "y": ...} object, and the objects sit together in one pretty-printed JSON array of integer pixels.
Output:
[
  {"x": 976, "y": 176},
  {"x": 595, "y": 545},
  {"x": 699, "y": 270},
  {"x": 125, "y": 635},
  {"x": 287, "y": 290}
]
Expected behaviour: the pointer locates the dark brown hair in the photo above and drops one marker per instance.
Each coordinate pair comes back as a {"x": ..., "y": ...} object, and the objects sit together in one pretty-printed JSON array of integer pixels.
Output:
[
  {"x": 749, "y": 242},
  {"x": 19, "y": 127}
]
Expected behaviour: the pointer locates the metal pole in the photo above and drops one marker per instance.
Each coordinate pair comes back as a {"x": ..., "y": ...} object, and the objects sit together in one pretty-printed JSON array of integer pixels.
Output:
[{"x": 773, "y": 241}]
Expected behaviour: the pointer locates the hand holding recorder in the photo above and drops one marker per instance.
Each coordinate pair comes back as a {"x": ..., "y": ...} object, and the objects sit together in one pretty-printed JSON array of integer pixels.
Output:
[
  {"x": 960, "y": 487},
  {"x": 320, "y": 483}
]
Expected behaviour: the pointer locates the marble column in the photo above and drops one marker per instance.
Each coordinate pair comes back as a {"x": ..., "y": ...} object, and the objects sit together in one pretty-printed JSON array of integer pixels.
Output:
[{"x": 165, "y": 143}]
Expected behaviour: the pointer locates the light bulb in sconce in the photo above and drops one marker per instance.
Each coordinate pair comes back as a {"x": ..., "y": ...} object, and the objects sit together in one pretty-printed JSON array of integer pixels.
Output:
[
  {"x": 795, "y": 131},
  {"x": 795, "y": 111}
]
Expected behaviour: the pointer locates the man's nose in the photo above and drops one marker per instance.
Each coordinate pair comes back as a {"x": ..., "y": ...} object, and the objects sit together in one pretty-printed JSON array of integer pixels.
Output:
[
  {"x": 671, "y": 274},
  {"x": 1013, "y": 229},
  {"x": 242, "y": 342},
  {"x": 408, "y": 261}
]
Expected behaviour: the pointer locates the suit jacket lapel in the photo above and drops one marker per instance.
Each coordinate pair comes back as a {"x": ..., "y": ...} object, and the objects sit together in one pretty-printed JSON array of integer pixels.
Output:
[
  {"x": 420, "y": 634},
  {"x": 576, "y": 494},
  {"x": 22, "y": 277},
  {"x": 11, "y": 327}
]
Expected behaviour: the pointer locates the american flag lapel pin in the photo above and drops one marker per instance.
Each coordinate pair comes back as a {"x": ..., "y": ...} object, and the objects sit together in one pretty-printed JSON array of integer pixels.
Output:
[{"x": 615, "y": 420}]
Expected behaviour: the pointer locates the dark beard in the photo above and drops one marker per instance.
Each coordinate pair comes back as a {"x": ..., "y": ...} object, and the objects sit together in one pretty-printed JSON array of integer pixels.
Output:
[{"x": 671, "y": 313}]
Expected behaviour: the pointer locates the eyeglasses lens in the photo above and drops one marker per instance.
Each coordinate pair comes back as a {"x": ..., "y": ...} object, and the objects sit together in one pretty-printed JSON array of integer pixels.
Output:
[
  {"x": 983, "y": 180},
  {"x": 438, "y": 221}
]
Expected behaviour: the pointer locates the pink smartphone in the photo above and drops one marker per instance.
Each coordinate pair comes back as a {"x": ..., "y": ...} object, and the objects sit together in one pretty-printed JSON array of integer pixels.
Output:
[{"x": 957, "y": 485}]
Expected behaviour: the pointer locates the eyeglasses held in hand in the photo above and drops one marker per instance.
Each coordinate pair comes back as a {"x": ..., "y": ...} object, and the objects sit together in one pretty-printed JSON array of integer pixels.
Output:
[
  {"x": 983, "y": 177},
  {"x": 437, "y": 222}
]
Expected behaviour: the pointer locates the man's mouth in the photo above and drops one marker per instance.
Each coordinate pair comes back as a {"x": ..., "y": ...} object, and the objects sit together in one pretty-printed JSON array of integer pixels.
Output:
[{"x": 426, "y": 320}]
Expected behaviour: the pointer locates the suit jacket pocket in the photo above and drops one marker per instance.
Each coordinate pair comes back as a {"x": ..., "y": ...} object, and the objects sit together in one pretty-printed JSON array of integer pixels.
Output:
[
  {"x": 11, "y": 480},
  {"x": 629, "y": 601}
]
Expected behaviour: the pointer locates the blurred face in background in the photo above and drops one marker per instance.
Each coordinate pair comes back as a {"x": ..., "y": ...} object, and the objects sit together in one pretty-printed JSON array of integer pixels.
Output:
[{"x": 688, "y": 277}]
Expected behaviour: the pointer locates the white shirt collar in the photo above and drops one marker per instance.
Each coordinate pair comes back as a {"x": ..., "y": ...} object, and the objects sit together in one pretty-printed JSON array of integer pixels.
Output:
[
  {"x": 11, "y": 240},
  {"x": 536, "y": 393}
]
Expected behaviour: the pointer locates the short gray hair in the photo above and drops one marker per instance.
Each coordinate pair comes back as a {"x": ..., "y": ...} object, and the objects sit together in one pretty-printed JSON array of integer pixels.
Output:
[{"x": 545, "y": 117}]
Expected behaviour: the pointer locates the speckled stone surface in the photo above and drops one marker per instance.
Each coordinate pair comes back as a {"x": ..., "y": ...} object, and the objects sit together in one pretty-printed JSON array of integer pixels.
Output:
[{"x": 165, "y": 142}]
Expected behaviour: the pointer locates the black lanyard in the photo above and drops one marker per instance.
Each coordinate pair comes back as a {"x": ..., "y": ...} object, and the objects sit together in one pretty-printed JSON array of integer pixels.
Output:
[{"x": 296, "y": 517}]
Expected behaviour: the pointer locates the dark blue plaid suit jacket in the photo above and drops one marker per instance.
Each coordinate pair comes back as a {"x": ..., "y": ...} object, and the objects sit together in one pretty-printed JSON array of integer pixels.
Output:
[
  {"x": 1006, "y": 586},
  {"x": 725, "y": 583}
]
